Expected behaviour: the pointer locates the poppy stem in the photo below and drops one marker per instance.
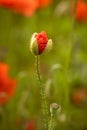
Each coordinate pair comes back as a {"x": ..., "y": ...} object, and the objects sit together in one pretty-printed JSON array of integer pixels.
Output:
[
  {"x": 43, "y": 96},
  {"x": 51, "y": 122}
]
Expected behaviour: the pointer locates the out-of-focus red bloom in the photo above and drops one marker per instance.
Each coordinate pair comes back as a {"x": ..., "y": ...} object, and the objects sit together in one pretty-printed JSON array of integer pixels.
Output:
[
  {"x": 26, "y": 124},
  {"x": 7, "y": 85},
  {"x": 25, "y": 7},
  {"x": 43, "y": 3},
  {"x": 30, "y": 125},
  {"x": 79, "y": 96},
  {"x": 81, "y": 11}
]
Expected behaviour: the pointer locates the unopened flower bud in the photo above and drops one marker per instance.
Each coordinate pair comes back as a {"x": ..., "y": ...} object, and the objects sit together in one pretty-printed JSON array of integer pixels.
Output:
[
  {"x": 40, "y": 43},
  {"x": 54, "y": 107}
]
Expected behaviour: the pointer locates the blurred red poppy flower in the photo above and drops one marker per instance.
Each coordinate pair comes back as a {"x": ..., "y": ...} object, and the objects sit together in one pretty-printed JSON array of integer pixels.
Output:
[
  {"x": 81, "y": 11},
  {"x": 79, "y": 96},
  {"x": 25, "y": 7},
  {"x": 43, "y": 3},
  {"x": 7, "y": 85},
  {"x": 30, "y": 125}
]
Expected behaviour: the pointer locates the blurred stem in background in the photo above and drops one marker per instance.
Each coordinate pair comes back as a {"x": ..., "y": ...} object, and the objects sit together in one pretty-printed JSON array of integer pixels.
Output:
[
  {"x": 70, "y": 50},
  {"x": 43, "y": 97},
  {"x": 4, "y": 122}
]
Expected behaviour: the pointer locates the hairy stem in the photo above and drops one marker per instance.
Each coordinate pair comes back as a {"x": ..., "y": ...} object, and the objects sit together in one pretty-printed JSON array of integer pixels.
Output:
[
  {"x": 43, "y": 97},
  {"x": 51, "y": 122}
]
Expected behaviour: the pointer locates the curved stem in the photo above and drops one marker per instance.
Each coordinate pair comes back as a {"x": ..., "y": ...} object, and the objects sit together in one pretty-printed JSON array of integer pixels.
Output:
[
  {"x": 43, "y": 97},
  {"x": 51, "y": 122}
]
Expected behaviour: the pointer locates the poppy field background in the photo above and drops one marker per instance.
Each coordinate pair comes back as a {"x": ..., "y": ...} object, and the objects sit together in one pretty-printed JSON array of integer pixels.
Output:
[{"x": 63, "y": 69}]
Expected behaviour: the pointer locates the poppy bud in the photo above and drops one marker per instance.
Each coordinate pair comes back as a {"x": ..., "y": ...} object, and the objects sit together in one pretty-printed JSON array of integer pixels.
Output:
[
  {"x": 40, "y": 43},
  {"x": 54, "y": 108}
]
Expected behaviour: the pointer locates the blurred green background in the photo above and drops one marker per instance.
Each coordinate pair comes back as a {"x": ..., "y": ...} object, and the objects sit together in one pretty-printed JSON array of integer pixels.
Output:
[{"x": 64, "y": 69}]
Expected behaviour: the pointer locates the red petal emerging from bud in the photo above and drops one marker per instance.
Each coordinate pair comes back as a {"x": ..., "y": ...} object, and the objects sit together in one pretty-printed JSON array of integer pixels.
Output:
[{"x": 42, "y": 40}]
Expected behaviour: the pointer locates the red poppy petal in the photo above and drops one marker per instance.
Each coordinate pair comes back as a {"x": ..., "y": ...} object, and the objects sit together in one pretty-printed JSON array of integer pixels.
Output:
[{"x": 11, "y": 88}]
